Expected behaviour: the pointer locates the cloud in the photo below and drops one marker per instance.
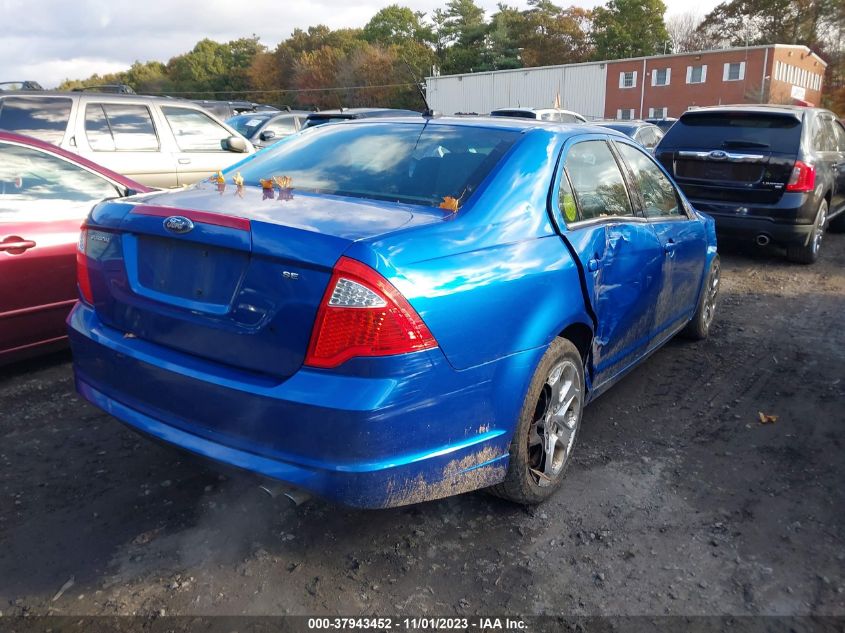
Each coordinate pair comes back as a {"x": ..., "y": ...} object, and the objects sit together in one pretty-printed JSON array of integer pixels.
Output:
[{"x": 50, "y": 40}]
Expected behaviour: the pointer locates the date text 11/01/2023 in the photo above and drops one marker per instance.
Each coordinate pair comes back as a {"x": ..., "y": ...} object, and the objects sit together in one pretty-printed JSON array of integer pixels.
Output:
[{"x": 418, "y": 624}]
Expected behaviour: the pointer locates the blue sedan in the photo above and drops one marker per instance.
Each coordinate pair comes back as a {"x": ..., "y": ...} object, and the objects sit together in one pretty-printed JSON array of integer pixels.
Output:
[{"x": 384, "y": 312}]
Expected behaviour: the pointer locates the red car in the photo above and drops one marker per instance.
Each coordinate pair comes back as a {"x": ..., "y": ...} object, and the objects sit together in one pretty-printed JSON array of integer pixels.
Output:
[{"x": 45, "y": 194}]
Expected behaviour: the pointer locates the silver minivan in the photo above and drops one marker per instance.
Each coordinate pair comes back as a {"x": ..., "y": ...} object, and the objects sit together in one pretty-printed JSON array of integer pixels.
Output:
[{"x": 158, "y": 141}]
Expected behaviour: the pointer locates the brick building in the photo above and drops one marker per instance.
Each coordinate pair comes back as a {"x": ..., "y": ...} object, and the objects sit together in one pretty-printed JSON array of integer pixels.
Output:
[
  {"x": 667, "y": 85},
  {"x": 642, "y": 87}
]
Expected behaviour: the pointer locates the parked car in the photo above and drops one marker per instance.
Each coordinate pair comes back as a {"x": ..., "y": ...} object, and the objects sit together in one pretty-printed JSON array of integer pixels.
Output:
[
  {"x": 389, "y": 311},
  {"x": 19, "y": 85},
  {"x": 157, "y": 141},
  {"x": 224, "y": 110},
  {"x": 45, "y": 194},
  {"x": 541, "y": 114},
  {"x": 664, "y": 124},
  {"x": 348, "y": 114},
  {"x": 265, "y": 128},
  {"x": 644, "y": 133},
  {"x": 767, "y": 173}
]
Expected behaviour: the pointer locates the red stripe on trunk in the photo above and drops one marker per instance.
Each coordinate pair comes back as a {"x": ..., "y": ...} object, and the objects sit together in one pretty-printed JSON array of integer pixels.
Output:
[{"x": 205, "y": 217}]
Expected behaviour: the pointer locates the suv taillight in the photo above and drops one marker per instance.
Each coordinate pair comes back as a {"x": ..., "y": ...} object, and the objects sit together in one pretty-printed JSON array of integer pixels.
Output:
[
  {"x": 363, "y": 314},
  {"x": 83, "y": 279},
  {"x": 803, "y": 177}
]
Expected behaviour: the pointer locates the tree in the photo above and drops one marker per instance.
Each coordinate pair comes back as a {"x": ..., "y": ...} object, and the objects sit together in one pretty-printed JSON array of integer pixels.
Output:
[
  {"x": 629, "y": 28},
  {"x": 396, "y": 25},
  {"x": 553, "y": 35},
  {"x": 684, "y": 35},
  {"x": 459, "y": 34},
  {"x": 741, "y": 22},
  {"x": 504, "y": 38}
]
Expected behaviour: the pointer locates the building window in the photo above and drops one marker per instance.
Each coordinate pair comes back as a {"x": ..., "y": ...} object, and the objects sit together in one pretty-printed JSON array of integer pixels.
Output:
[
  {"x": 696, "y": 74},
  {"x": 628, "y": 80},
  {"x": 661, "y": 76},
  {"x": 734, "y": 71},
  {"x": 658, "y": 113},
  {"x": 625, "y": 115}
]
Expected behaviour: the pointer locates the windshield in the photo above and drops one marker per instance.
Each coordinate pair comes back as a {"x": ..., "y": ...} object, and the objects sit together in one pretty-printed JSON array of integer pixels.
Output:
[
  {"x": 402, "y": 162},
  {"x": 247, "y": 124}
]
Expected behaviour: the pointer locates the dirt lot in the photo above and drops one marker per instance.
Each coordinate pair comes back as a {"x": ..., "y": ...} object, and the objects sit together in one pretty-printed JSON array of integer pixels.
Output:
[{"x": 679, "y": 502}]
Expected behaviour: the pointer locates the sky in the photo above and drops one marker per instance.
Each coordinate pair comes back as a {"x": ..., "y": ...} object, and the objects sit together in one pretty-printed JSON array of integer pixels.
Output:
[{"x": 51, "y": 40}]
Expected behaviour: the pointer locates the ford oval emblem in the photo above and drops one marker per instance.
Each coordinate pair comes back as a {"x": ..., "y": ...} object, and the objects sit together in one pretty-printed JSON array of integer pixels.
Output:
[
  {"x": 718, "y": 155},
  {"x": 178, "y": 224}
]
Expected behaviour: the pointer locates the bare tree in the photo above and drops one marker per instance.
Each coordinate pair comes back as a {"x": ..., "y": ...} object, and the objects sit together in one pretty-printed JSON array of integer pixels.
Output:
[{"x": 684, "y": 35}]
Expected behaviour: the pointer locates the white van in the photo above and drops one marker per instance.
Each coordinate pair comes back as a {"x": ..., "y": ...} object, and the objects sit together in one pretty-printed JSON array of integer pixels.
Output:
[{"x": 158, "y": 141}]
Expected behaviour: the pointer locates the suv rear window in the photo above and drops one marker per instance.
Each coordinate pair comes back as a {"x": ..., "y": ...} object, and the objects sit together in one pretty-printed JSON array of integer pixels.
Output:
[
  {"x": 43, "y": 118},
  {"x": 409, "y": 163},
  {"x": 736, "y": 130}
]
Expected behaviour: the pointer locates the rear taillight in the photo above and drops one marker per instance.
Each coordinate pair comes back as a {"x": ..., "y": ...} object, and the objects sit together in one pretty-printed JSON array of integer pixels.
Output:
[
  {"x": 363, "y": 314},
  {"x": 803, "y": 177},
  {"x": 83, "y": 279}
]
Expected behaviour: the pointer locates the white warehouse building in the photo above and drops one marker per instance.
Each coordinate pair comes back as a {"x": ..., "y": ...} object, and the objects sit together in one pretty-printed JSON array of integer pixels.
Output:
[{"x": 581, "y": 88}]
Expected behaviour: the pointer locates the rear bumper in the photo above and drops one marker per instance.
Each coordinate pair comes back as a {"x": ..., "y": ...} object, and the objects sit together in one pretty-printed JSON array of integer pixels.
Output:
[
  {"x": 787, "y": 222},
  {"x": 748, "y": 228},
  {"x": 369, "y": 442}
]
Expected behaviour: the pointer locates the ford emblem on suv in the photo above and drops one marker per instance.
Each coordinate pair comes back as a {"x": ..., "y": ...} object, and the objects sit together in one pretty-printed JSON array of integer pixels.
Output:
[
  {"x": 718, "y": 154},
  {"x": 178, "y": 224}
]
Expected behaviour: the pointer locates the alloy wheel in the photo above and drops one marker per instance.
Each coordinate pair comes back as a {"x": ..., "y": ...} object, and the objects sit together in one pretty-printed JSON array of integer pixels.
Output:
[
  {"x": 712, "y": 293},
  {"x": 555, "y": 424}
]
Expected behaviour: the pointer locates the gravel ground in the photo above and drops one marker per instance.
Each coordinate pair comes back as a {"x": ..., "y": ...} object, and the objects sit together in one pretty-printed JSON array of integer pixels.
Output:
[{"x": 680, "y": 501}]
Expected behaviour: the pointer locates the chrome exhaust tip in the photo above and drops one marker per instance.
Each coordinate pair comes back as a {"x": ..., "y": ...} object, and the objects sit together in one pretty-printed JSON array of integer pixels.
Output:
[
  {"x": 277, "y": 489},
  {"x": 762, "y": 239}
]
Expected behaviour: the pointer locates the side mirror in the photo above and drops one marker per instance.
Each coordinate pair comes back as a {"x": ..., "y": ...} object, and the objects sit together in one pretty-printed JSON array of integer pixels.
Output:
[
  {"x": 235, "y": 144},
  {"x": 267, "y": 135}
]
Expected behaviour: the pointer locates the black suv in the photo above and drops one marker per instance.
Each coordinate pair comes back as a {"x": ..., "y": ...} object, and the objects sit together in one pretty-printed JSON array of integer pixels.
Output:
[{"x": 769, "y": 173}]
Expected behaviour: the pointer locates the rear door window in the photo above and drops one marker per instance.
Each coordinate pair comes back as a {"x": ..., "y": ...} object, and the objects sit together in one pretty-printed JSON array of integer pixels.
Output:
[
  {"x": 658, "y": 195},
  {"x": 121, "y": 127},
  {"x": 194, "y": 130},
  {"x": 597, "y": 182},
  {"x": 44, "y": 118},
  {"x": 736, "y": 130}
]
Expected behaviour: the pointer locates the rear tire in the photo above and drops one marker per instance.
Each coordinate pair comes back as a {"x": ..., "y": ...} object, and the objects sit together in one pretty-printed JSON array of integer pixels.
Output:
[
  {"x": 699, "y": 326},
  {"x": 808, "y": 253},
  {"x": 548, "y": 426}
]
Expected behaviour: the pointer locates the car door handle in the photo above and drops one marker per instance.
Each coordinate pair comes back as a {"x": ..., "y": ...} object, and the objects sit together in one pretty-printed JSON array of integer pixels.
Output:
[
  {"x": 669, "y": 247},
  {"x": 184, "y": 161},
  {"x": 16, "y": 244},
  {"x": 594, "y": 264}
]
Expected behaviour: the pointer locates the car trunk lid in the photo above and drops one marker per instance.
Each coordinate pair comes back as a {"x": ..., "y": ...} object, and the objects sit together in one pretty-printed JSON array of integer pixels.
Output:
[{"x": 240, "y": 288}]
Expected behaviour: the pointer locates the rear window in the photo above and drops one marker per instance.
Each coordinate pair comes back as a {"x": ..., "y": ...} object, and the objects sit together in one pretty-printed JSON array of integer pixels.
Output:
[
  {"x": 43, "y": 118},
  {"x": 408, "y": 163},
  {"x": 735, "y": 130},
  {"x": 519, "y": 114}
]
